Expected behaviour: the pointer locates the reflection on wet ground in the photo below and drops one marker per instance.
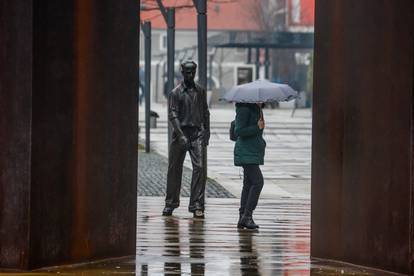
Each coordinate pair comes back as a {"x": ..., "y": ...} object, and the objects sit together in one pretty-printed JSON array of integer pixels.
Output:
[
  {"x": 181, "y": 245},
  {"x": 214, "y": 246},
  {"x": 121, "y": 266}
]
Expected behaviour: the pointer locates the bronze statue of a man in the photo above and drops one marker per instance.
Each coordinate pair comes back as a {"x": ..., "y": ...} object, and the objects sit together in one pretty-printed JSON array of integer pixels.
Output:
[{"x": 190, "y": 119}]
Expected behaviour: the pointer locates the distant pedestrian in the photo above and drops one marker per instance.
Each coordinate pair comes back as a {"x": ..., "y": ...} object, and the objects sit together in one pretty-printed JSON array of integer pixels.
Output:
[
  {"x": 141, "y": 91},
  {"x": 249, "y": 153}
]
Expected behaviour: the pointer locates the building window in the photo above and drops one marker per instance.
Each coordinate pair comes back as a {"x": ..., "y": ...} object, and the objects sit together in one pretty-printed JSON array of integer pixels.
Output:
[
  {"x": 244, "y": 74},
  {"x": 303, "y": 58},
  {"x": 241, "y": 51},
  {"x": 163, "y": 42}
]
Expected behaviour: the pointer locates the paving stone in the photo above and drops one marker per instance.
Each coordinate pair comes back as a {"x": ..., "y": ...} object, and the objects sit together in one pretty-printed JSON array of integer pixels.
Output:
[{"x": 152, "y": 178}]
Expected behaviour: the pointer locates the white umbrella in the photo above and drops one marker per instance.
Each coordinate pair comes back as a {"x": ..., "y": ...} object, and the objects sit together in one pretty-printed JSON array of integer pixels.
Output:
[{"x": 260, "y": 91}]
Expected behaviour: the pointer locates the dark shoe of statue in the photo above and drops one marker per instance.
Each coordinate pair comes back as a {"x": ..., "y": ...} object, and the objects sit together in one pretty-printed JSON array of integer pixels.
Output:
[
  {"x": 198, "y": 214},
  {"x": 247, "y": 222},
  {"x": 167, "y": 211}
]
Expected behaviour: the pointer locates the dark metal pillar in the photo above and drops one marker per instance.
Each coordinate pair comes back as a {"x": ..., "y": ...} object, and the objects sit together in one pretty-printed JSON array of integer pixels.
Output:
[
  {"x": 169, "y": 17},
  {"x": 170, "y": 57},
  {"x": 267, "y": 64},
  {"x": 257, "y": 62},
  {"x": 170, "y": 47},
  {"x": 201, "y": 6},
  {"x": 146, "y": 28}
]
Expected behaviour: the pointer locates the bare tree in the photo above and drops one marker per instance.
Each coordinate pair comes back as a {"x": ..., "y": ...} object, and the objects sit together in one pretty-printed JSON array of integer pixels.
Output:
[
  {"x": 148, "y": 5},
  {"x": 270, "y": 15}
]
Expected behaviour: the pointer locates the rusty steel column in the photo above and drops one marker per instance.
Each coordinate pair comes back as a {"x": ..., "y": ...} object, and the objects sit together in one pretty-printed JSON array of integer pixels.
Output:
[
  {"x": 362, "y": 152},
  {"x": 68, "y": 119},
  {"x": 15, "y": 130}
]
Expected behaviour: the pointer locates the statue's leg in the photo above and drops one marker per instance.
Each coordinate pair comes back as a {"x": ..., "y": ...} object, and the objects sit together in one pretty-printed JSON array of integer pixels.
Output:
[
  {"x": 174, "y": 174},
  {"x": 199, "y": 177}
]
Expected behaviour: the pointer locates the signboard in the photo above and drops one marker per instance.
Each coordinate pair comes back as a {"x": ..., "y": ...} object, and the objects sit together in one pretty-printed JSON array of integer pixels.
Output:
[{"x": 244, "y": 74}]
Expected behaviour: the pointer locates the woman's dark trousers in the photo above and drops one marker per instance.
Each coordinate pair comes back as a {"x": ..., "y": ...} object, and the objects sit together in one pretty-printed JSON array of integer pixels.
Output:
[
  {"x": 175, "y": 170},
  {"x": 252, "y": 186}
]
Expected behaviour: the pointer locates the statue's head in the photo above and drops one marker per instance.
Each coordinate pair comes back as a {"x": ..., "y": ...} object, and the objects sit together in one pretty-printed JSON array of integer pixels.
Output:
[{"x": 188, "y": 70}]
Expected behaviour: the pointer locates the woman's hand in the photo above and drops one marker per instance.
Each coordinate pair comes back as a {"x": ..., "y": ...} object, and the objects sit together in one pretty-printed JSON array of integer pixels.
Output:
[{"x": 261, "y": 124}]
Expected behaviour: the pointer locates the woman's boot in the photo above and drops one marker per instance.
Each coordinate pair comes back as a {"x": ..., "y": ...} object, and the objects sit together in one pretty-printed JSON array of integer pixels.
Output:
[
  {"x": 247, "y": 221},
  {"x": 239, "y": 222}
]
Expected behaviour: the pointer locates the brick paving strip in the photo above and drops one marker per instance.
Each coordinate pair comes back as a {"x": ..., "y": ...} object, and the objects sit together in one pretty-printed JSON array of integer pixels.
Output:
[{"x": 152, "y": 178}]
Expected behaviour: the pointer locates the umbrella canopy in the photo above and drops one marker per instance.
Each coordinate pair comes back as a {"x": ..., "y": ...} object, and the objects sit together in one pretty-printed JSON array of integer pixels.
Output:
[{"x": 260, "y": 91}]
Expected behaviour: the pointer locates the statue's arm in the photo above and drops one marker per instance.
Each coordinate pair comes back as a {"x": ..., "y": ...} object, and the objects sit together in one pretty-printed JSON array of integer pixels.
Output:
[{"x": 173, "y": 111}]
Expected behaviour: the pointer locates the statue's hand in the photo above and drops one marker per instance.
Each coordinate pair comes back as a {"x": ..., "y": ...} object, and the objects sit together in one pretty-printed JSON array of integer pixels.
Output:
[{"x": 184, "y": 141}]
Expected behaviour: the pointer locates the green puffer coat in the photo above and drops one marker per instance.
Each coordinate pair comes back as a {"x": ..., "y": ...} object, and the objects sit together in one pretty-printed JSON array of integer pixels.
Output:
[{"x": 250, "y": 145}]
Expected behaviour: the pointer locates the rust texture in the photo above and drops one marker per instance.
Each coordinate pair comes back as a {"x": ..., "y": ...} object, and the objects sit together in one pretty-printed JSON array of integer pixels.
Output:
[
  {"x": 15, "y": 130},
  {"x": 75, "y": 194},
  {"x": 362, "y": 150},
  {"x": 51, "y": 208}
]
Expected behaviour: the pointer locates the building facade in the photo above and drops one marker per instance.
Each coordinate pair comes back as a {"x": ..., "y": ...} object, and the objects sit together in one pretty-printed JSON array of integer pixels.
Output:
[{"x": 228, "y": 65}]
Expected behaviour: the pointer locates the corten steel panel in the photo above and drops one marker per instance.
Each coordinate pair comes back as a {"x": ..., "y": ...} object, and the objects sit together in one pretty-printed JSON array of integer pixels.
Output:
[
  {"x": 107, "y": 112},
  {"x": 52, "y": 198},
  {"x": 327, "y": 130},
  {"x": 84, "y": 131},
  {"x": 377, "y": 138},
  {"x": 68, "y": 179},
  {"x": 15, "y": 129},
  {"x": 372, "y": 194}
]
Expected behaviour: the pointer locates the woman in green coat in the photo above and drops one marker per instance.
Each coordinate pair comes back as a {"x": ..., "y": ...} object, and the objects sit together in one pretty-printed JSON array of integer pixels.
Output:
[{"x": 249, "y": 153}]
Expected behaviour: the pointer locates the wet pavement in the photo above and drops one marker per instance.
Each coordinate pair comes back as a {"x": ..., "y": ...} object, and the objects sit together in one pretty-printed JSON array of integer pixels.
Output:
[
  {"x": 213, "y": 246},
  {"x": 287, "y": 164},
  {"x": 181, "y": 245}
]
